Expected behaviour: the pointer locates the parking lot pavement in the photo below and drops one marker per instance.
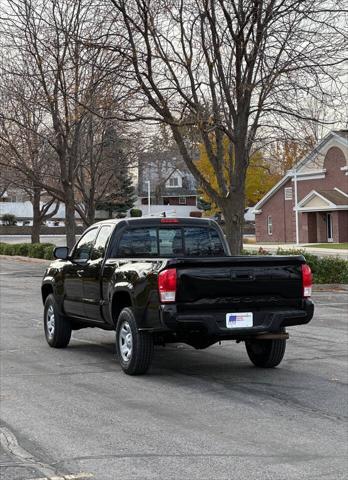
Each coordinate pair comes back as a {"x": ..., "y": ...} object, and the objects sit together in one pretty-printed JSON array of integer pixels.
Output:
[{"x": 206, "y": 415}]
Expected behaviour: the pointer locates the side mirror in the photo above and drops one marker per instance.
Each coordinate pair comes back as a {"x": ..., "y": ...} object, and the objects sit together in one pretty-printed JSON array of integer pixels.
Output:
[{"x": 61, "y": 253}]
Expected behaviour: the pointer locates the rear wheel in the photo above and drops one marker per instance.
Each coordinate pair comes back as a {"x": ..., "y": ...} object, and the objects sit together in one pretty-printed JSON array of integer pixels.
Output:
[
  {"x": 265, "y": 353},
  {"x": 57, "y": 327},
  {"x": 134, "y": 348}
]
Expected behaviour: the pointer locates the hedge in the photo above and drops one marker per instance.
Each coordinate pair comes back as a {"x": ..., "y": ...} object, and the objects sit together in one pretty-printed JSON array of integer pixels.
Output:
[
  {"x": 325, "y": 269},
  {"x": 33, "y": 250},
  {"x": 136, "y": 212}
]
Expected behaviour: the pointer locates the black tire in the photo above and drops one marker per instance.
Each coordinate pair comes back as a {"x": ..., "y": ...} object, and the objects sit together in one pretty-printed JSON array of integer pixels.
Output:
[
  {"x": 59, "y": 335},
  {"x": 265, "y": 353},
  {"x": 135, "y": 359}
]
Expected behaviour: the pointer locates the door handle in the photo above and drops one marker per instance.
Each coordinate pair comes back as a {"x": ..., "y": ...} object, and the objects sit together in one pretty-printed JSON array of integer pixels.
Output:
[
  {"x": 80, "y": 273},
  {"x": 242, "y": 277}
]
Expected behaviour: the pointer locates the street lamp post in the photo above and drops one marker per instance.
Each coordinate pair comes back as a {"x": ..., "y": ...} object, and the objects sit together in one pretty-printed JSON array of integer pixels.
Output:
[
  {"x": 294, "y": 171},
  {"x": 148, "y": 197}
]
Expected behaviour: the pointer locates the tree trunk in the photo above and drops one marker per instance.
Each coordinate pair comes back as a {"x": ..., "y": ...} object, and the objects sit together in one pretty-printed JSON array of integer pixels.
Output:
[
  {"x": 233, "y": 206},
  {"x": 91, "y": 207},
  {"x": 35, "y": 229},
  {"x": 70, "y": 226},
  {"x": 233, "y": 212},
  {"x": 91, "y": 215},
  {"x": 158, "y": 194}
]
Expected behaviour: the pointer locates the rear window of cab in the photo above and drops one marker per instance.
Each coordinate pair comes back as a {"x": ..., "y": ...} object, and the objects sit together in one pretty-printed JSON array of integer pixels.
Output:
[{"x": 169, "y": 242}]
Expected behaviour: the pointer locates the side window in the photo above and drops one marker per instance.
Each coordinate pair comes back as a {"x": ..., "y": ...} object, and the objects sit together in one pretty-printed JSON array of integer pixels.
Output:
[
  {"x": 138, "y": 242},
  {"x": 84, "y": 246},
  {"x": 100, "y": 244},
  {"x": 269, "y": 225}
]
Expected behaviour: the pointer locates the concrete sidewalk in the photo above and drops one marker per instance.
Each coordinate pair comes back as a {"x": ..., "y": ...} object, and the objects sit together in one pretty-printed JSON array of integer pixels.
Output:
[{"x": 320, "y": 252}]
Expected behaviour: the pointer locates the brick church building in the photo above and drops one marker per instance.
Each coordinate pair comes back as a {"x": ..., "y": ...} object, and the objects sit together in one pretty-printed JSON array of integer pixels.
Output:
[{"x": 322, "y": 198}]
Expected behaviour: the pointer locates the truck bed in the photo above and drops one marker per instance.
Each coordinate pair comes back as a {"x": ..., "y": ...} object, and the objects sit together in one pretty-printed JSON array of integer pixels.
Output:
[
  {"x": 262, "y": 294},
  {"x": 238, "y": 281}
]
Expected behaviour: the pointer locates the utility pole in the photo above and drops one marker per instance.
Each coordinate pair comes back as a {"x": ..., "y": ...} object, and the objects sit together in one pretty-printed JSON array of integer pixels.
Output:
[
  {"x": 296, "y": 209},
  {"x": 148, "y": 197}
]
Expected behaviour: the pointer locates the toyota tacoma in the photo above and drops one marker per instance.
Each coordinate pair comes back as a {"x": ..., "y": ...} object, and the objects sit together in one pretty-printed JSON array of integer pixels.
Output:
[{"x": 161, "y": 280}]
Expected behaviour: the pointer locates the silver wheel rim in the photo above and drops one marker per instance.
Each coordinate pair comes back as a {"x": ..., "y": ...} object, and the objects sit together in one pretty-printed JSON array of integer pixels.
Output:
[
  {"x": 125, "y": 341},
  {"x": 50, "y": 321}
]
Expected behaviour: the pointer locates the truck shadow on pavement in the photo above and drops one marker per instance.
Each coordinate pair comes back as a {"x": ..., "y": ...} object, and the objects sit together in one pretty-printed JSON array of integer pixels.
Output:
[
  {"x": 177, "y": 360},
  {"x": 219, "y": 372}
]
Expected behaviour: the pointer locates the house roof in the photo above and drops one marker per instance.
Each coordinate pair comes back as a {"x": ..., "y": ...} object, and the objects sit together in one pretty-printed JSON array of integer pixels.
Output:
[
  {"x": 324, "y": 200},
  {"x": 24, "y": 210},
  {"x": 340, "y": 135},
  {"x": 334, "y": 196}
]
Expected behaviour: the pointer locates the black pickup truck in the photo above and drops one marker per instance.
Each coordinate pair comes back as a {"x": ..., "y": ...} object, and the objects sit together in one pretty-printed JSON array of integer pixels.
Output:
[{"x": 161, "y": 280}]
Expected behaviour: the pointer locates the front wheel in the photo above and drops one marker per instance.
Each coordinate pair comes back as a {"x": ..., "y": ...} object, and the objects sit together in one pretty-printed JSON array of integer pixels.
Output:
[
  {"x": 57, "y": 327},
  {"x": 265, "y": 353},
  {"x": 134, "y": 348}
]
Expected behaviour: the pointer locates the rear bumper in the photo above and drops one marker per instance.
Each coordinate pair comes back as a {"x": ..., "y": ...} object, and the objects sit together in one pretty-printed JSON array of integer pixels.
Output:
[{"x": 213, "y": 323}]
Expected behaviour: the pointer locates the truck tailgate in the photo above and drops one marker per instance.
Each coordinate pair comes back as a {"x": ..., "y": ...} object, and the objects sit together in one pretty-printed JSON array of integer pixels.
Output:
[{"x": 238, "y": 282}]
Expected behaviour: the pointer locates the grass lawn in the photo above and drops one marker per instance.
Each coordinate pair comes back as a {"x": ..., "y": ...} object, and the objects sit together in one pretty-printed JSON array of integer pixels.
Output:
[{"x": 339, "y": 246}]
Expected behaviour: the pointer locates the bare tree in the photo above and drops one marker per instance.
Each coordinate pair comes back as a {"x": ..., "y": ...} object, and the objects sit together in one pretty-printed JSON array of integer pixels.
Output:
[
  {"x": 5, "y": 180},
  {"x": 106, "y": 153},
  {"x": 229, "y": 69},
  {"x": 25, "y": 159},
  {"x": 48, "y": 46}
]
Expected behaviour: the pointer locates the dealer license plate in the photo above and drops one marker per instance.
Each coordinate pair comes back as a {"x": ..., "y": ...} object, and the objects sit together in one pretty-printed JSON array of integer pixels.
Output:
[{"x": 239, "y": 320}]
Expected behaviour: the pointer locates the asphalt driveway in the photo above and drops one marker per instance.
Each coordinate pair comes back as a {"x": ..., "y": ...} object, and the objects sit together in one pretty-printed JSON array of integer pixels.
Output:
[{"x": 197, "y": 415}]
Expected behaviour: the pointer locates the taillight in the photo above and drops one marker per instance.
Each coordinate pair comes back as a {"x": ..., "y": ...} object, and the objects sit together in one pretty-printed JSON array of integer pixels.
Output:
[
  {"x": 169, "y": 220},
  {"x": 167, "y": 285},
  {"x": 307, "y": 281}
]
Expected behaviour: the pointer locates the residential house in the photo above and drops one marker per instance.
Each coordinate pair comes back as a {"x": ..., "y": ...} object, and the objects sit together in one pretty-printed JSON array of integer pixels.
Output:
[
  {"x": 320, "y": 183},
  {"x": 171, "y": 186},
  {"x": 15, "y": 201}
]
